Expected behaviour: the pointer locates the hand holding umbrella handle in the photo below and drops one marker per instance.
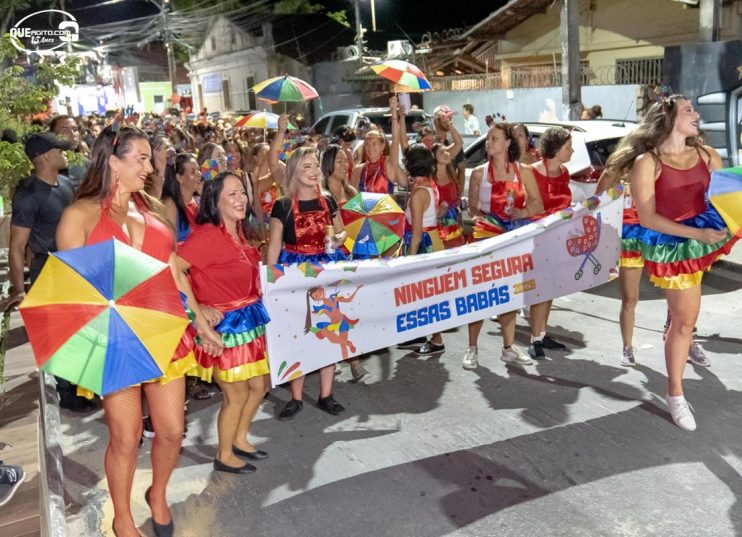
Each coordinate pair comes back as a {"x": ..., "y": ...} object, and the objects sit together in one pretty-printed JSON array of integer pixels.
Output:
[
  {"x": 393, "y": 106},
  {"x": 283, "y": 123}
]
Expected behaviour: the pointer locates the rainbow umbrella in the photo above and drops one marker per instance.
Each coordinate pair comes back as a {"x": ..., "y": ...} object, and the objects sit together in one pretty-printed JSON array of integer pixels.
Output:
[
  {"x": 209, "y": 169},
  {"x": 310, "y": 270},
  {"x": 262, "y": 120},
  {"x": 273, "y": 273},
  {"x": 374, "y": 222},
  {"x": 725, "y": 193},
  {"x": 405, "y": 75},
  {"x": 284, "y": 89},
  {"x": 104, "y": 316}
]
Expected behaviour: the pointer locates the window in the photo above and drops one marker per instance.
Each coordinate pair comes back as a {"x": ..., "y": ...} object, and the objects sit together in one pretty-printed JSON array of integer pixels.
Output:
[
  {"x": 644, "y": 71},
  {"x": 321, "y": 126},
  {"x": 225, "y": 94},
  {"x": 213, "y": 43},
  {"x": 338, "y": 121},
  {"x": 251, "y": 104}
]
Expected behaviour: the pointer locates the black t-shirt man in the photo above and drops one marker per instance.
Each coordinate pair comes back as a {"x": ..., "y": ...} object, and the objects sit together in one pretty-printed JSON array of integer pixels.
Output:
[{"x": 38, "y": 206}]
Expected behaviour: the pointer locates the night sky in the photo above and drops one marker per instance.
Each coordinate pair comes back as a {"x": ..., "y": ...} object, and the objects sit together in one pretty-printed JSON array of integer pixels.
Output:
[{"x": 415, "y": 17}]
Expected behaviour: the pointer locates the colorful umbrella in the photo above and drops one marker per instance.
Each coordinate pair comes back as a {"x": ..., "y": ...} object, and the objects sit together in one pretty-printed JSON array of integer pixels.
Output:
[
  {"x": 273, "y": 273},
  {"x": 209, "y": 169},
  {"x": 374, "y": 222},
  {"x": 283, "y": 89},
  {"x": 725, "y": 193},
  {"x": 404, "y": 74},
  {"x": 310, "y": 270},
  {"x": 104, "y": 316},
  {"x": 261, "y": 120}
]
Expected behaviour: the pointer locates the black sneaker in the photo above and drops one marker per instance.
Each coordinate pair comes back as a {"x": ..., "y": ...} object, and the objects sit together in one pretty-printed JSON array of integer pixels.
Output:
[
  {"x": 11, "y": 478},
  {"x": 536, "y": 350},
  {"x": 552, "y": 344},
  {"x": 329, "y": 405},
  {"x": 430, "y": 348},
  {"x": 291, "y": 409},
  {"x": 413, "y": 343},
  {"x": 75, "y": 403}
]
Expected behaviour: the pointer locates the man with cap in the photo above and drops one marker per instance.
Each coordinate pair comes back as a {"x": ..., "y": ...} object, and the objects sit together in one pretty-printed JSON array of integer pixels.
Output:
[{"x": 37, "y": 208}]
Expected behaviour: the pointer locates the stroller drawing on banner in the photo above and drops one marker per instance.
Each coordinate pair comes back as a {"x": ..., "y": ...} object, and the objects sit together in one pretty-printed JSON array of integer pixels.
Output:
[{"x": 585, "y": 244}]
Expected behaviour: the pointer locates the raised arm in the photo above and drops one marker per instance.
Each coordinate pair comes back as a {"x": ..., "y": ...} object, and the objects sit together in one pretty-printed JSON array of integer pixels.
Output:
[
  {"x": 643, "y": 176},
  {"x": 458, "y": 142},
  {"x": 394, "y": 170},
  {"x": 278, "y": 168}
]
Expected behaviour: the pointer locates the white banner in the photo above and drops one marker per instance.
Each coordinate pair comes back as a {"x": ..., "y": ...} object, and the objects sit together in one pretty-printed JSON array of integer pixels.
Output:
[{"x": 322, "y": 314}]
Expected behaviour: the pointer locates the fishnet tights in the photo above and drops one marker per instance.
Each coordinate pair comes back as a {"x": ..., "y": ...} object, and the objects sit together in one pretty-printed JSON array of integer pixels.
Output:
[{"x": 123, "y": 411}]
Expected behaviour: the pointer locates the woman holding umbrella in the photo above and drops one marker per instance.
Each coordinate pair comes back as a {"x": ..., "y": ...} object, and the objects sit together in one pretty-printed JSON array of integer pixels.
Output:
[
  {"x": 223, "y": 268},
  {"x": 299, "y": 226},
  {"x": 378, "y": 173},
  {"x": 670, "y": 171},
  {"x": 112, "y": 204}
]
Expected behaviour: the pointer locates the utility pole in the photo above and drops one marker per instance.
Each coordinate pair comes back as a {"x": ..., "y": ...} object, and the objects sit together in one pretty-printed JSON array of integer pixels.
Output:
[
  {"x": 359, "y": 28},
  {"x": 570, "y": 30},
  {"x": 168, "y": 46}
]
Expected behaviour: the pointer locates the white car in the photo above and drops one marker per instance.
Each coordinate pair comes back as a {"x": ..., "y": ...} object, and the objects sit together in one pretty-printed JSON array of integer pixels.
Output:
[
  {"x": 360, "y": 117},
  {"x": 593, "y": 142}
]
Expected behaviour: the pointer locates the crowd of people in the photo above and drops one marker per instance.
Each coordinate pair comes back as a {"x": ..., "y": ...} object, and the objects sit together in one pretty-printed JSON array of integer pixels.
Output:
[{"x": 213, "y": 201}]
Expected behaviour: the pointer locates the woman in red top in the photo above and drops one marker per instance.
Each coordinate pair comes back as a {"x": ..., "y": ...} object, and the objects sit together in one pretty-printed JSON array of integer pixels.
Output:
[
  {"x": 178, "y": 195},
  {"x": 450, "y": 228},
  {"x": 552, "y": 178},
  {"x": 112, "y": 204},
  {"x": 670, "y": 172},
  {"x": 378, "y": 173},
  {"x": 223, "y": 268}
]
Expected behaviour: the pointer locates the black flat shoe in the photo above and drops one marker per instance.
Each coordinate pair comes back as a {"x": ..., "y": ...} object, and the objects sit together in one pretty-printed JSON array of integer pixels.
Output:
[
  {"x": 329, "y": 405},
  {"x": 292, "y": 408},
  {"x": 257, "y": 455},
  {"x": 161, "y": 530},
  {"x": 551, "y": 344},
  {"x": 219, "y": 466}
]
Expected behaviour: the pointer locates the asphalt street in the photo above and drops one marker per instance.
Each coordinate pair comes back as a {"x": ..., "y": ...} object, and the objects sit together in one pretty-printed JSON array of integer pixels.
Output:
[{"x": 574, "y": 445}]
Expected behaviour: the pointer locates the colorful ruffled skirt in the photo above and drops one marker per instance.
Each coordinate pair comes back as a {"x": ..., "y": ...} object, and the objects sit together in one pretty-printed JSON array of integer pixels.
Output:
[
  {"x": 676, "y": 262},
  {"x": 489, "y": 226},
  {"x": 450, "y": 229},
  {"x": 430, "y": 241},
  {"x": 294, "y": 258},
  {"x": 631, "y": 255},
  {"x": 244, "y": 356}
]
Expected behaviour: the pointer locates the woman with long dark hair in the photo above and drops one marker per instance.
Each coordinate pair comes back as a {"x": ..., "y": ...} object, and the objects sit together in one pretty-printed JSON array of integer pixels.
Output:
[
  {"x": 162, "y": 154},
  {"x": 223, "y": 268},
  {"x": 334, "y": 165},
  {"x": 178, "y": 195},
  {"x": 111, "y": 203},
  {"x": 298, "y": 230},
  {"x": 503, "y": 195},
  {"x": 683, "y": 234},
  {"x": 450, "y": 226}
]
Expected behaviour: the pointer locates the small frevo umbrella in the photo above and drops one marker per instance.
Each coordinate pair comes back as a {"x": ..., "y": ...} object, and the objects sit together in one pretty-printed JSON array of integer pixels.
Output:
[
  {"x": 284, "y": 89},
  {"x": 406, "y": 76},
  {"x": 725, "y": 194},
  {"x": 105, "y": 316},
  {"x": 263, "y": 120},
  {"x": 374, "y": 223}
]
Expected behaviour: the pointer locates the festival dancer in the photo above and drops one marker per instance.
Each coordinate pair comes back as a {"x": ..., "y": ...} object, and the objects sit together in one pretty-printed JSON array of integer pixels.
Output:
[
  {"x": 338, "y": 325},
  {"x": 266, "y": 190},
  {"x": 450, "y": 227},
  {"x": 223, "y": 268},
  {"x": 503, "y": 194},
  {"x": 299, "y": 223},
  {"x": 528, "y": 153},
  {"x": 670, "y": 173},
  {"x": 112, "y": 204},
  {"x": 378, "y": 173},
  {"x": 552, "y": 178}
]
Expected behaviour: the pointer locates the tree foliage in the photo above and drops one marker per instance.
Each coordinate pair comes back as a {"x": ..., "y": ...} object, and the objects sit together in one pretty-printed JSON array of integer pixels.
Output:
[
  {"x": 23, "y": 94},
  {"x": 296, "y": 7}
]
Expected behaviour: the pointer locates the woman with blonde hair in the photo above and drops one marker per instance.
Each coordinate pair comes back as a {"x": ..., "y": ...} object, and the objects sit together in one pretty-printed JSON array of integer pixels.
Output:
[{"x": 298, "y": 231}]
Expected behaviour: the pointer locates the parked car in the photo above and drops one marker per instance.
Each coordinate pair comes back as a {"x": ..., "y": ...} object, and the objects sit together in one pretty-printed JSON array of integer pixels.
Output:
[
  {"x": 359, "y": 117},
  {"x": 593, "y": 142}
]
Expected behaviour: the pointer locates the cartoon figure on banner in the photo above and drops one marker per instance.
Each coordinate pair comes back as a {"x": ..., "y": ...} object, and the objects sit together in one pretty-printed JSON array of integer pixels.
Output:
[
  {"x": 585, "y": 244},
  {"x": 337, "y": 327}
]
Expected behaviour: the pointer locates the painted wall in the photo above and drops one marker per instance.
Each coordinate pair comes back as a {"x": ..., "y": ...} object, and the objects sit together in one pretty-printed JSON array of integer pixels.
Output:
[{"x": 148, "y": 92}]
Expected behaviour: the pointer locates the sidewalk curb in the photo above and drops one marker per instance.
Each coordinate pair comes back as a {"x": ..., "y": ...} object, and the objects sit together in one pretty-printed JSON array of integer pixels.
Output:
[
  {"x": 731, "y": 266},
  {"x": 52, "y": 490}
]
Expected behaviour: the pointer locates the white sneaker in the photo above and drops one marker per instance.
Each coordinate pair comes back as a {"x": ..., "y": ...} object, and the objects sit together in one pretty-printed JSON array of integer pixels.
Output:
[
  {"x": 627, "y": 358},
  {"x": 514, "y": 355},
  {"x": 680, "y": 410},
  {"x": 697, "y": 356},
  {"x": 470, "y": 358}
]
